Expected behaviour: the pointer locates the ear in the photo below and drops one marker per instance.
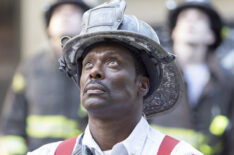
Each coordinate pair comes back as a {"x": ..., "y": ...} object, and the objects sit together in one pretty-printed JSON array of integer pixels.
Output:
[{"x": 143, "y": 85}]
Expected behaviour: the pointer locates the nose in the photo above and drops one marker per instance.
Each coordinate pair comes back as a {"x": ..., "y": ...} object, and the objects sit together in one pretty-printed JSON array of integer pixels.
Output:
[{"x": 96, "y": 72}]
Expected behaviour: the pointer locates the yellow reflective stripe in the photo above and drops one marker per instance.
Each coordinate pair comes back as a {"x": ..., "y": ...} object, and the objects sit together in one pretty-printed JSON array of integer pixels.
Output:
[
  {"x": 210, "y": 150},
  {"x": 12, "y": 145},
  {"x": 219, "y": 125},
  {"x": 225, "y": 31},
  {"x": 194, "y": 138},
  {"x": 51, "y": 126},
  {"x": 18, "y": 83},
  {"x": 206, "y": 149}
]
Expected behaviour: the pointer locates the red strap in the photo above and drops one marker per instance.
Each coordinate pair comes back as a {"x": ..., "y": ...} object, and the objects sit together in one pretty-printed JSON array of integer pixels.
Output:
[
  {"x": 66, "y": 147},
  {"x": 167, "y": 145}
]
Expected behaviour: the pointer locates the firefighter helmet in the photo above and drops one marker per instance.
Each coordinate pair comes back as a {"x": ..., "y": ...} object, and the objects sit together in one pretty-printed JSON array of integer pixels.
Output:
[
  {"x": 207, "y": 7},
  {"x": 108, "y": 23},
  {"x": 49, "y": 10}
]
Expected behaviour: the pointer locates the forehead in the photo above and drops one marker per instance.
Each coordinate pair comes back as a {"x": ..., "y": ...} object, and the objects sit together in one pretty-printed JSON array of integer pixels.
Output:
[
  {"x": 109, "y": 49},
  {"x": 193, "y": 12},
  {"x": 67, "y": 7}
]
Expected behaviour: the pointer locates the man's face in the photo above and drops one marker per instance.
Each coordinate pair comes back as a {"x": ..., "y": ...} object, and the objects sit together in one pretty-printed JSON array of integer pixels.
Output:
[
  {"x": 193, "y": 27},
  {"x": 108, "y": 83},
  {"x": 65, "y": 21}
]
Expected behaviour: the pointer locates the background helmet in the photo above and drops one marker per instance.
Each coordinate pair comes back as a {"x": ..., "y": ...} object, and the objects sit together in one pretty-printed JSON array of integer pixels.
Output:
[
  {"x": 206, "y": 6},
  {"x": 50, "y": 9},
  {"x": 107, "y": 23}
]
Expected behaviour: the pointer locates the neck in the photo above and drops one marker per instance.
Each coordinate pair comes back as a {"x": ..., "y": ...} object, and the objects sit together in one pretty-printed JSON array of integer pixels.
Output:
[
  {"x": 108, "y": 132},
  {"x": 190, "y": 54},
  {"x": 56, "y": 46}
]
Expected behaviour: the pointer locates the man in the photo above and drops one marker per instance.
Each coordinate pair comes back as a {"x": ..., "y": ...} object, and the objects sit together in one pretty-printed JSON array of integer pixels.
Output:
[
  {"x": 42, "y": 106},
  {"x": 196, "y": 32},
  {"x": 123, "y": 74}
]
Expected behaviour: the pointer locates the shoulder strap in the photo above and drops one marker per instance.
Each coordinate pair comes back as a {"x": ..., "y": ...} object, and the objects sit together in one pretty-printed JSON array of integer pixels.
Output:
[
  {"x": 66, "y": 147},
  {"x": 167, "y": 145}
]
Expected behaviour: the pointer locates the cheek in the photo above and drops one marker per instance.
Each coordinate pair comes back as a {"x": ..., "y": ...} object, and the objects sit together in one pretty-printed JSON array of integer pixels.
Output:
[
  {"x": 202, "y": 27},
  {"x": 179, "y": 31},
  {"x": 123, "y": 84}
]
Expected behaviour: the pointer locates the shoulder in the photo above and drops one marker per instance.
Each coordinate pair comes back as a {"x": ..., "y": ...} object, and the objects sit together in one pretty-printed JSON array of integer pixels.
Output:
[
  {"x": 183, "y": 148},
  {"x": 155, "y": 135},
  {"x": 176, "y": 147},
  {"x": 48, "y": 149}
]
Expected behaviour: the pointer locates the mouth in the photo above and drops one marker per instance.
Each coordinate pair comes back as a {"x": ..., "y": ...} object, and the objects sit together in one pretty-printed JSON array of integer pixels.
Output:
[{"x": 94, "y": 89}]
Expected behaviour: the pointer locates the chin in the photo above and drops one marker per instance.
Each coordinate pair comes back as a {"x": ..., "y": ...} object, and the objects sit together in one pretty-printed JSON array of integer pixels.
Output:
[{"x": 94, "y": 103}]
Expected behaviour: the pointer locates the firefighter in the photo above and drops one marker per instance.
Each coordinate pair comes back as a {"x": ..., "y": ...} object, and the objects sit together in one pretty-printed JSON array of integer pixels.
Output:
[
  {"x": 42, "y": 105},
  {"x": 196, "y": 32},
  {"x": 123, "y": 74}
]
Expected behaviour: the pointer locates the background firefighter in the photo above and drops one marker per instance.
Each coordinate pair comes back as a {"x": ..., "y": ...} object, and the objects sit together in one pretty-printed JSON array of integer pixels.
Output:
[
  {"x": 38, "y": 109},
  {"x": 204, "y": 117}
]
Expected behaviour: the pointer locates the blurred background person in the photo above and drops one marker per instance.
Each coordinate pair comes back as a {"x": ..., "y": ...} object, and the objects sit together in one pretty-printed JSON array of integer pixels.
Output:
[
  {"x": 205, "y": 115},
  {"x": 38, "y": 109}
]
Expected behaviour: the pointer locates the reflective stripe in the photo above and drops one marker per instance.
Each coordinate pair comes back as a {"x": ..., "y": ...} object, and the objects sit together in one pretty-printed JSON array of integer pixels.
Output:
[
  {"x": 12, "y": 145},
  {"x": 206, "y": 149},
  {"x": 192, "y": 137},
  {"x": 18, "y": 83},
  {"x": 219, "y": 125},
  {"x": 225, "y": 32},
  {"x": 51, "y": 126}
]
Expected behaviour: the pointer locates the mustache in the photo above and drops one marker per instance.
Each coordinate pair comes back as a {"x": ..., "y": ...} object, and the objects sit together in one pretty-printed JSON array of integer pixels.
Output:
[{"x": 96, "y": 82}]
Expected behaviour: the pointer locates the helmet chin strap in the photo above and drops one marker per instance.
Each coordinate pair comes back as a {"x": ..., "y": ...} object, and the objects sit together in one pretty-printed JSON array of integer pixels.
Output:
[
  {"x": 76, "y": 81},
  {"x": 63, "y": 68}
]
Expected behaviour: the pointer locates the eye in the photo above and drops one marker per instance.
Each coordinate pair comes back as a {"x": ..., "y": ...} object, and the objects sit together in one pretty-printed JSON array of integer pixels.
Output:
[
  {"x": 88, "y": 64},
  {"x": 112, "y": 62}
]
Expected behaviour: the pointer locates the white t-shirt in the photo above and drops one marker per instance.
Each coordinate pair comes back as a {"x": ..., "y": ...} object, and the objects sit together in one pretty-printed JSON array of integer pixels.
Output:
[{"x": 196, "y": 76}]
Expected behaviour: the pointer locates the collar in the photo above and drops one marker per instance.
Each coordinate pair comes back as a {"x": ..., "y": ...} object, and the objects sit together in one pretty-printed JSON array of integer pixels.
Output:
[{"x": 133, "y": 144}]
